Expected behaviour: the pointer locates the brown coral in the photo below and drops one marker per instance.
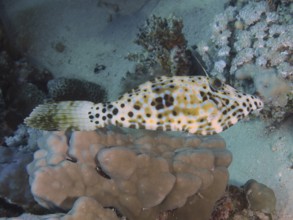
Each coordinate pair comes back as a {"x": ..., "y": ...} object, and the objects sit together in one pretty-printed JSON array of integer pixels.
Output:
[
  {"x": 142, "y": 177},
  {"x": 165, "y": 44}
]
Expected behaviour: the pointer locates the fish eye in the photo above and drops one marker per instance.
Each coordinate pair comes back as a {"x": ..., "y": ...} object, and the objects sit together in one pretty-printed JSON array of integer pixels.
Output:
[{"x": 216, "y": 84}]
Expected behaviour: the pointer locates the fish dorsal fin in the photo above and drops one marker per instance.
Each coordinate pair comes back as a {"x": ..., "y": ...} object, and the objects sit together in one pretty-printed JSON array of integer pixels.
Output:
[{"x": 202, "y": 67}]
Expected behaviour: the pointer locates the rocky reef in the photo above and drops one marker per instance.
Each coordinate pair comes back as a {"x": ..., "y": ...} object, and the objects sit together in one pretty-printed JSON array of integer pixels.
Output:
[{"x": 116, "y": 175}]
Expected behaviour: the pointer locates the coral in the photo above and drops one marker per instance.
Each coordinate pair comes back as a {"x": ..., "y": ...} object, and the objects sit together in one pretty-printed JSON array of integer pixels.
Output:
[
  {"x": 253, "y": 200},
  {"x": 14, "y": 186},
  {"x": 84, "y": 208},
  {"x": 260, "y": 197},
  {"x": 61, "y": 89},
  {"x": 164, "y": 52},
  {"x": 231, "y": 202},
  {"x": 165, "y": 47},
  {"x": 261, "y": 38},
  {"x": 14, "y": 158},
  {"x": 15, "y": 155},
  {"x": 141, "y": 176}
]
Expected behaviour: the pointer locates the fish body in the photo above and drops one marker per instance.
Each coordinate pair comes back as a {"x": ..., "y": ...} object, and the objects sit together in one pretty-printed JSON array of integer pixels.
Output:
[{"x": 195, "y": 104}]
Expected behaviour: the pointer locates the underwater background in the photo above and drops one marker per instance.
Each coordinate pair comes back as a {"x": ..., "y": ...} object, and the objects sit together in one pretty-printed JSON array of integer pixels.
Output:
[{"x": 96, "y": 50}]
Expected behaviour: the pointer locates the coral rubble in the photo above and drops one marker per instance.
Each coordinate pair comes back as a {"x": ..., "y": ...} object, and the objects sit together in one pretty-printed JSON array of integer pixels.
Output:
[
  {"x": 250, "y": 39},
  {"x": 141, "y": 177}
]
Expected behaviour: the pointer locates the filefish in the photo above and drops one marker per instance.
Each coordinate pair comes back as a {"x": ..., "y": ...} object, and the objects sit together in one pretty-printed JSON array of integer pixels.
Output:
[{"x": 194, "y": 104}]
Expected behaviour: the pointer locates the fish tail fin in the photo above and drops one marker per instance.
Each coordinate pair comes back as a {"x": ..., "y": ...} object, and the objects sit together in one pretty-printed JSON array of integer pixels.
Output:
[{"x": 62, "y": 116}]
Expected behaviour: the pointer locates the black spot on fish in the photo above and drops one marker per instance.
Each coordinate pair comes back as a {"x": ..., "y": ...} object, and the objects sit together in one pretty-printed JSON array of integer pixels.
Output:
[
  {"x": 214, "y": 100},
  {"x": 115, "y": 111},
  {"x": 159, "y": 100},
  {"x": 227, "y": 101},
  {"x": 137, "y": 107},
  {"x": 160, "y": 106},
  {"x": 130, "y": 114}
]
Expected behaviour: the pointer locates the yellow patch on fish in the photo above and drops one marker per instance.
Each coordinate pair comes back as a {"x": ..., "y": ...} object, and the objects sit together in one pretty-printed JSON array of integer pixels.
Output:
[{"x": 194, "y": 104}]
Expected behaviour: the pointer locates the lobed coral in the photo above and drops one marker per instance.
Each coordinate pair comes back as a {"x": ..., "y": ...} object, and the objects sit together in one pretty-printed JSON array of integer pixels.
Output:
[
  {"x": 251, "y": 36},
  {"x": 139, "y": 176}
]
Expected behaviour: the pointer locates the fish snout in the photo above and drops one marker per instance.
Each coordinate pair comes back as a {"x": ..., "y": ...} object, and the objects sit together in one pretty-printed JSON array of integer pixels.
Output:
[{"x": 259, "y": 104}]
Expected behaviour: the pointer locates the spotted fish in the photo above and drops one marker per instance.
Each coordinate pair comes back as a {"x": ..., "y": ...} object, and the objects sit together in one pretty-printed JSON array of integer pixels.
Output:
[{"x": 194, "y": 104}]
